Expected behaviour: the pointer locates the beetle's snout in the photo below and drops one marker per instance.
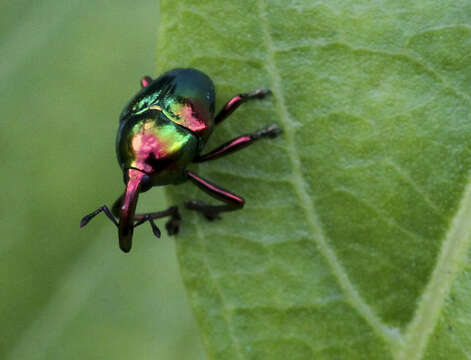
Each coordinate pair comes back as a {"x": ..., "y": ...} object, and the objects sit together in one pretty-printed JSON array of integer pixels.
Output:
[
  {"x": 125, "y": 238},
  {"x": 128, "y": 209}
]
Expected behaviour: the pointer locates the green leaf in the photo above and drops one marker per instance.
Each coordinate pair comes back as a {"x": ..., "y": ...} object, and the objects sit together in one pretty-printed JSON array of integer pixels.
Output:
[{"x": 355, "y": 238}]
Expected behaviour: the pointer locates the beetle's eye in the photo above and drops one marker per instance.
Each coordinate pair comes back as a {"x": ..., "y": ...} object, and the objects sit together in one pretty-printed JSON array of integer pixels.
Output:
[{"x": 145, "y": 183}]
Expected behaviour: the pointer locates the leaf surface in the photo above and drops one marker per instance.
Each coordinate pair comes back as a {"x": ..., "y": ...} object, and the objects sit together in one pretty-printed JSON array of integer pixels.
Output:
[{"x": 354, "y": 241}]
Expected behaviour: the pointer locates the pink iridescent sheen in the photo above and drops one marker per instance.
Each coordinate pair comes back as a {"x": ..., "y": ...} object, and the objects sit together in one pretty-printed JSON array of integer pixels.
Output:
[
  {"x": 189, "y": 118},
  {"x": 232, "y": 102},
  {"x": 147, "y": 144},
  {"x": 229, "y": 108},
  {"x": 145, "y": 81},
  {"x": 128, "y": 209}
]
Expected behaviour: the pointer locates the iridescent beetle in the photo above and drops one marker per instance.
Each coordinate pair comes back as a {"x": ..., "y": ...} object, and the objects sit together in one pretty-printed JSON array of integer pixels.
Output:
[{"x": 162, "y": 130}]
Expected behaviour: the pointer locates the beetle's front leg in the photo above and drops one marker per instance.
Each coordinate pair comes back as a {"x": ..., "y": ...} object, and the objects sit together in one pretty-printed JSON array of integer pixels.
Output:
[{"x": 211, "y": 212}]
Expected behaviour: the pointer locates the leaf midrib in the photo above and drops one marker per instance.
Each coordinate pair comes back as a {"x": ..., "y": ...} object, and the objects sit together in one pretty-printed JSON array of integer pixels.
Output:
[
  {"x": 411, "y": 344},
  {"x": 390, "y": 335}
]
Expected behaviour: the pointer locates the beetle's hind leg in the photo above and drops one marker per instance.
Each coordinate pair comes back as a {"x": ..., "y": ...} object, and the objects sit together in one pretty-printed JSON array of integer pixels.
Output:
[
  {"x": 172, "y": 225},
  {"x": 238, "y": 100},
  {"x": 211, "y": 212}
]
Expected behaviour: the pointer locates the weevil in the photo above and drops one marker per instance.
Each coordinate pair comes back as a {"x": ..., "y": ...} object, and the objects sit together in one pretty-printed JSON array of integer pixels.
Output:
[{"x": 162, "y": 130}]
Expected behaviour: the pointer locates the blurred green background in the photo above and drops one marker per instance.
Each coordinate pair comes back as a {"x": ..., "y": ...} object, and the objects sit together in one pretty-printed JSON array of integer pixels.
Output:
[{"x": 66, "y": 71}]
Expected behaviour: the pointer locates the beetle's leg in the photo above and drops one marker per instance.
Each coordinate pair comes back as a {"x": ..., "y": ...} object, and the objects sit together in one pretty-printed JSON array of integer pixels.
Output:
[
  {"x": 154, "y": 227},
  {"x": 86, "y": 219},
  {"x": 238, "y": 143},
  {"x": 238, "y": 100},
  {"x": 145, "y": 81},
  {"x": 172, "y": 225},
  {"x": 211, "y": 212}
]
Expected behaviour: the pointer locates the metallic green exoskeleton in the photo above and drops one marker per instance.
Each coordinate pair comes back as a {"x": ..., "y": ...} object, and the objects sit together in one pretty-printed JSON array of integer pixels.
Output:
[
  {"x": 166, "y": 124},
  {"x": 161, "y": 131}
]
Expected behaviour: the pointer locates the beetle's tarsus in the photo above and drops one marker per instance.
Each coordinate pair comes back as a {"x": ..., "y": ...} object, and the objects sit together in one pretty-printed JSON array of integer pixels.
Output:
[
  {"x": 154, "y": 227},
  {"x": 172, "y": 225},
  {"x": 271, "y": 131},
  {"x": 206, "y": 210},
  {"x": 150, "y": 219},
  {"x": 86, "y": 219},
  {"x": 258, "y": 94}
]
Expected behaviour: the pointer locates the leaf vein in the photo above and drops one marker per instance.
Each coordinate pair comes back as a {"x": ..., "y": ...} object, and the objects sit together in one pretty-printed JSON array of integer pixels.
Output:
[{"x": 406, "y": 177}]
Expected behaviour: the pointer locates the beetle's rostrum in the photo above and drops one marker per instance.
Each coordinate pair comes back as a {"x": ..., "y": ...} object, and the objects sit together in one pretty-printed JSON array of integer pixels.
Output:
[{"x": 162, "y": 130}]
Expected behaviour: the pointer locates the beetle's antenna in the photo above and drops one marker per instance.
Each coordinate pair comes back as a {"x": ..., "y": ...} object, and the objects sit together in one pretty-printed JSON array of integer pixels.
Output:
[{"x": 128, "y": 209}]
